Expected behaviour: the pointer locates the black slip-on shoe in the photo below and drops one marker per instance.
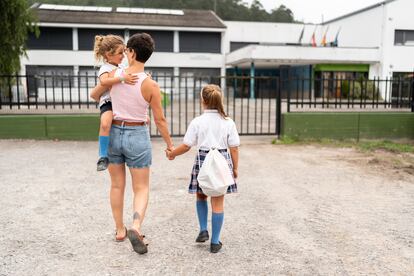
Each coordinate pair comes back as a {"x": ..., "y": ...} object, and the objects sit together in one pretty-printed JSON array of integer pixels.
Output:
[
  {"x": 214, "y": 248},
  {"x": 102, "y": 164},
  {"x": 137, "y": 241},
  {"x": 202, "y": 236}
]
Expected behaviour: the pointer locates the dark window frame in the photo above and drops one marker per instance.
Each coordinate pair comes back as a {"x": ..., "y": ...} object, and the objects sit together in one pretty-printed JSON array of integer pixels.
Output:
[
  {"x": 51, "y": 38},
  {"x": 200, "y": 42},
  {"x": 401, "y": 37},
  {"x": 86, "y": 36},
  {"x": 164, "y": 40}
]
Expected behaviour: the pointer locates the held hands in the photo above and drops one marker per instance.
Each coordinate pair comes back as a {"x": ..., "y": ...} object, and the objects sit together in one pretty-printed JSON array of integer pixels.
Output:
[{"x": 169, "y": 153}]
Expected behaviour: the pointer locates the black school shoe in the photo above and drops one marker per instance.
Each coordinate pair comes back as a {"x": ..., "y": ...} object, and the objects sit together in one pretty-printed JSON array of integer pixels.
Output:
[
  {"x": 214, "y": 248},
  {"x": 202, "y": 236},
  {"x": 102, "y": 164}
]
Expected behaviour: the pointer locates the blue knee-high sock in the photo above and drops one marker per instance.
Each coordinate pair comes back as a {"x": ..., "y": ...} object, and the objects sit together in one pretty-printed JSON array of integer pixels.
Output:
[
  {"x": 217, "y": 223},
  {"x": 202, "y": 213},
  {"x": 103, "y": 146}
]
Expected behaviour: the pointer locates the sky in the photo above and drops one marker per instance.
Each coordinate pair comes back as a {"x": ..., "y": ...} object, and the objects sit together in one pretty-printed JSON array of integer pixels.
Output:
[{"x": 311, "y": 11}]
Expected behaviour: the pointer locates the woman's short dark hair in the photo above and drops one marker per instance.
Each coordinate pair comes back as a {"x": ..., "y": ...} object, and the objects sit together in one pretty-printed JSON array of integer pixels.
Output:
[{"x": 143, "y": 45}]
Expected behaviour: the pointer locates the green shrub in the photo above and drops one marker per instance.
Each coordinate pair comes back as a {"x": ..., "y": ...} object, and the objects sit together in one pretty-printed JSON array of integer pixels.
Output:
[
  {"x": 360, "y": 89},
  {"x": 165, "y": 99}
]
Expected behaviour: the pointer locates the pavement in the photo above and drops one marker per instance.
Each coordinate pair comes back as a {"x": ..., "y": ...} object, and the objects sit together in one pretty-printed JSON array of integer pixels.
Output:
[{"x": 300, "y": 210}]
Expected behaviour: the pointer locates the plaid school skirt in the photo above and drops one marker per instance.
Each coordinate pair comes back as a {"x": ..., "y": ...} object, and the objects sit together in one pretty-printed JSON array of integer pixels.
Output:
[{"x": 194, "y": 188}]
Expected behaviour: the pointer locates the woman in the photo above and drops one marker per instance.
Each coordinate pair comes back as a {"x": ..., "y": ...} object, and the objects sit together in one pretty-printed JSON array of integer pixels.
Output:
[{"x": 129, "y": 138}]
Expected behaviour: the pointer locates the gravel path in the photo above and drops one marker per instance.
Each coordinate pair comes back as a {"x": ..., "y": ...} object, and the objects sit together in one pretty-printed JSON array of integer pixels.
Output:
[{"x": 300, "y": 210}]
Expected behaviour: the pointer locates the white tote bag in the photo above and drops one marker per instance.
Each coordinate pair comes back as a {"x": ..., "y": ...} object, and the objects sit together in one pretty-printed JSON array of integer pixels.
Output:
[{"x": 214, "y": 176}]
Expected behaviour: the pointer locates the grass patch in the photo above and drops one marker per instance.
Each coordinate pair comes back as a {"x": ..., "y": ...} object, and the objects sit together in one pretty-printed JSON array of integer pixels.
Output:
[
  {"x": 285, "y": 141},
  {"x": 386, "y": 145},
  {"x": 367, "y": 146}
]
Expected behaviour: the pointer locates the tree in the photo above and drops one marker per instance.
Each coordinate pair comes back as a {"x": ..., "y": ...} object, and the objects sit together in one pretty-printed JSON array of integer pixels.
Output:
[
  {"x": 16, "y": 21},
  {"x": 282, "y": 14},
  {"x": 225, "y": 9},
  {"x": 257, "y": 12}
]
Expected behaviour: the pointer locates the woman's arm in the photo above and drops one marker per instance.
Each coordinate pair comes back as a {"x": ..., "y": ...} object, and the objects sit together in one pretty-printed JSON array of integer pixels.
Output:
[
  {"x": 151, "y": 87},
  {"x": 234, "y": 152}
]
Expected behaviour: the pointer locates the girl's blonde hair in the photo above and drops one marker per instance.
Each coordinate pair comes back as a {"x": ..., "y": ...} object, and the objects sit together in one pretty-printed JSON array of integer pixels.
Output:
[
  {"x": 213, "y": 99},
  {"x": 106, "y": 43}
]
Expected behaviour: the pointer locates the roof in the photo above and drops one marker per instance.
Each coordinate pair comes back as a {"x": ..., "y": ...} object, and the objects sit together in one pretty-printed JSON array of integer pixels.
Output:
[
  {"x": 121, "y": 16},
  {"x": 359, "y": 11}
]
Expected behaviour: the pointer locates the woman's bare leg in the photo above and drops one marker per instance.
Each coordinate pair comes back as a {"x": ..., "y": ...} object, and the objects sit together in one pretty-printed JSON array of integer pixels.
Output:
[
  {"x": 140, "y": 187},
  {"x": 117, "y": 173}
]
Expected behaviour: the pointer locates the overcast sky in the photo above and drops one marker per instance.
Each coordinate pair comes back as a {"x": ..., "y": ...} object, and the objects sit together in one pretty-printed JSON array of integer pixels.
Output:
[{"x": 310, "y": 11}]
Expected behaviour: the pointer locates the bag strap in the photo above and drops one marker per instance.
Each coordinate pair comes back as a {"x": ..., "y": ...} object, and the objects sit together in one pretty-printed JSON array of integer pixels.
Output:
[{"x": 199, "y": 158}]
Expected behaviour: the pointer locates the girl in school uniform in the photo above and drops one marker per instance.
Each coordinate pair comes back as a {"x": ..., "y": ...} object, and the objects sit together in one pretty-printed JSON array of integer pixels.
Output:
[{"x": 211, "y": 129}]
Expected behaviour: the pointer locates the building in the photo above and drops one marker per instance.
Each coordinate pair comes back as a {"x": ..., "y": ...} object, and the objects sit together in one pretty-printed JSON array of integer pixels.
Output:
[{"x": 374, "y": 42}]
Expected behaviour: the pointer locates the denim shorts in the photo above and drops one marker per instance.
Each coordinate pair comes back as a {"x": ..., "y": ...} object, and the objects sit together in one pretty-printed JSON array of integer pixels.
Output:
[{"x": 130, "y": 145}]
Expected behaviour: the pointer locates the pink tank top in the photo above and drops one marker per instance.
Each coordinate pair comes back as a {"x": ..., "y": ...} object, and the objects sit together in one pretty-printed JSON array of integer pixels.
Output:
[{"x": 128, "y": 104}]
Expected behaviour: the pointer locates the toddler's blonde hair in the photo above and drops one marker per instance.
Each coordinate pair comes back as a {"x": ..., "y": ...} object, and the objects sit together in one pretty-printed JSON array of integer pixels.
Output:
[{"x": 106, "y": 43}]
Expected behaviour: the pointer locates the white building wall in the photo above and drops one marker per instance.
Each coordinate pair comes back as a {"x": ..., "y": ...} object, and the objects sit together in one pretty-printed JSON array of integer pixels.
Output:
[
  {"x": 272, "y": 33},
  {"x": 398, "y": 58},
  {"x": 360, "y": 30},
  {"x": 376, "y": 28}
]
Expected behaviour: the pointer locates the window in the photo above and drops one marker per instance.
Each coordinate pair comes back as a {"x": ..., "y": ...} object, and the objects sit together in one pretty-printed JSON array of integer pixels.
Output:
[
  {"x": 86, "y": 37},
  {"x": 404, "y": 37},
  {"x": 51, "y": 39},
  {"x": 200, "y": 42},
  {"x": 237, "y": 45},
  {"x": 164, "y": 41}
]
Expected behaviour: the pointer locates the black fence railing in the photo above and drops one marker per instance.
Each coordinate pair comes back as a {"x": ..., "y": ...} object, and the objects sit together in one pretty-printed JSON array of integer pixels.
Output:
[
  {"x": 251, "y": 102},
  {"x": 254, "y": 103},
  {"x": 349, "y": 94}
]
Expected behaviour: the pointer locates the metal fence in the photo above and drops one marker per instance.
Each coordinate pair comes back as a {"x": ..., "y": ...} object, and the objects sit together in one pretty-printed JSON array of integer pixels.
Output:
[
  {"x": 255, "y": 104},
  {"x": 349, "y": 94},
  {"x": 251, "y": 103}
]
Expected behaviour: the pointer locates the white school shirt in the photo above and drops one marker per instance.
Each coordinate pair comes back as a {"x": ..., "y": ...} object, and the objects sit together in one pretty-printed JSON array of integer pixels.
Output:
[
  {"x": 105, "y": 68},
  {"x": 211, "y": 130}
]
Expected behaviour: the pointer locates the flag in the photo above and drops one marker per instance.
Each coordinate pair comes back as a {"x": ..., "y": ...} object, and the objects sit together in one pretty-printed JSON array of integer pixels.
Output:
[
  {"x": 335, "y": 43},
  {"x": 313, "y": 40},
  {"x": 323, "y": 43},
  {"x": 301, "y": 35}
]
